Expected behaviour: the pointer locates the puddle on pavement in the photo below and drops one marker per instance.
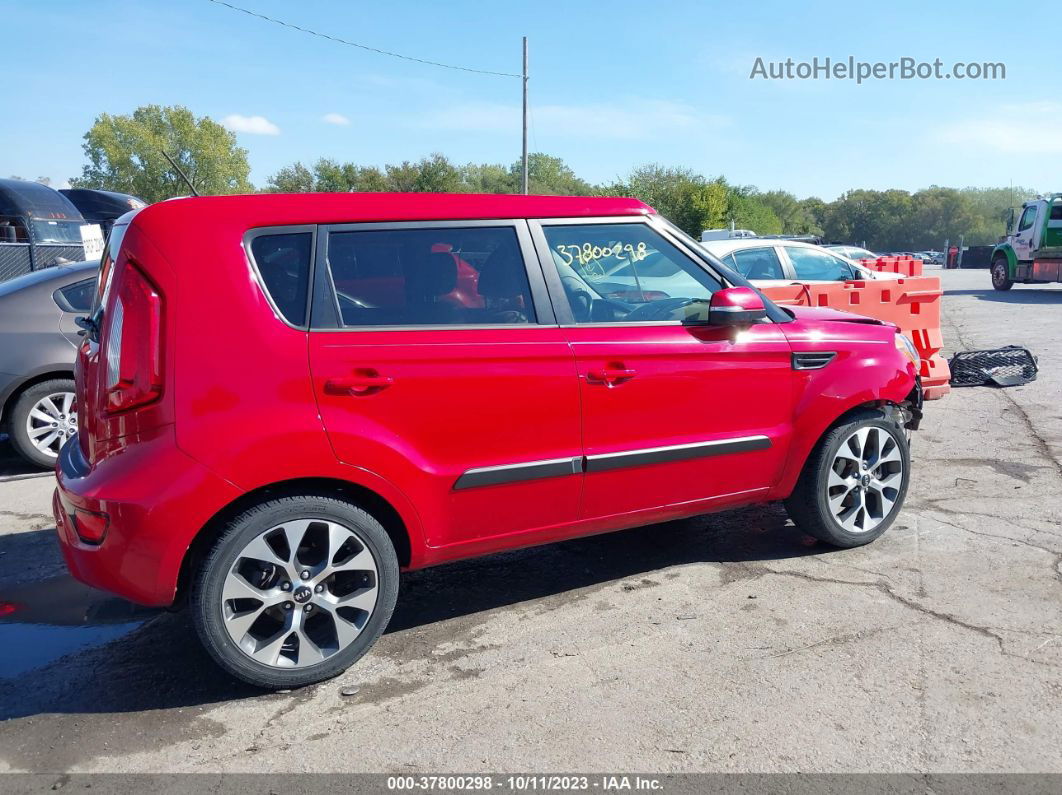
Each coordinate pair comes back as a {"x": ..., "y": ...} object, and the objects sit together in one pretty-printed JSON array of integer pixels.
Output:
[{"x": 43, "y": 621}]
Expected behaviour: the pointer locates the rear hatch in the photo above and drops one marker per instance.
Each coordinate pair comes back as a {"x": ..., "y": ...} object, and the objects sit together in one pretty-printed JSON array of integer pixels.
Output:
[{"x": 119, "y": 367}]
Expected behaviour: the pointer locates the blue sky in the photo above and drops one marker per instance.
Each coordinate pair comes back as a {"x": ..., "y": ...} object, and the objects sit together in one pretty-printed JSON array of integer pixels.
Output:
[{"x": 613, "y": 85}]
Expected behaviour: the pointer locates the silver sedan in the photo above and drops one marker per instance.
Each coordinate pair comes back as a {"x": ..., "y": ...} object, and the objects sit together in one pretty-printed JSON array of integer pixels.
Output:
[{"x": 38, "y": 342}]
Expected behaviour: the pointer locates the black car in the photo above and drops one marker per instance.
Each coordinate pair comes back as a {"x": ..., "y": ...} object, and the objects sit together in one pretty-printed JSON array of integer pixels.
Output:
[{"x": 102, "y": 206}]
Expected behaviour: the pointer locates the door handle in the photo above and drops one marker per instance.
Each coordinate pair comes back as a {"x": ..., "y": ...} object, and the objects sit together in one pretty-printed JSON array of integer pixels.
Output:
[
  {"x": 610, "y": 376},
  {"x": 364, "y": 382}
]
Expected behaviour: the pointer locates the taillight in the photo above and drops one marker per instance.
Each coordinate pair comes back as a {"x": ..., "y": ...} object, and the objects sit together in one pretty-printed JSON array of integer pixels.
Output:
[
  {"x": 133, "y": 349},
  {"x": 90, "y": 526}
]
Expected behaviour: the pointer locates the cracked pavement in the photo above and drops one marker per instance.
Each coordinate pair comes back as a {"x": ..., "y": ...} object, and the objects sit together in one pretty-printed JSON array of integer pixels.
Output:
[{"x": 725, "y": 643}]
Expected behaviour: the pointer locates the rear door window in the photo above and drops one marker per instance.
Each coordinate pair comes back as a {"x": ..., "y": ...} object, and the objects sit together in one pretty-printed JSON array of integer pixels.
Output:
[
  {"x": 283, "y": 261},
  {"x": 758, "y": 263},
  {"x": 429, "y": 277},
  {"x": 810, "y": 264}
]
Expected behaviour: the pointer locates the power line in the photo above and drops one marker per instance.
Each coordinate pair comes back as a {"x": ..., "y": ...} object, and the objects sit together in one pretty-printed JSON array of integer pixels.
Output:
[{"x": 376, "y": 50}]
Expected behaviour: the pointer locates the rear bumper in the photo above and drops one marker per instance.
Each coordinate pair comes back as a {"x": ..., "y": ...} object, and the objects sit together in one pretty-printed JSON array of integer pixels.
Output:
[{"x": 155, "y": 499}]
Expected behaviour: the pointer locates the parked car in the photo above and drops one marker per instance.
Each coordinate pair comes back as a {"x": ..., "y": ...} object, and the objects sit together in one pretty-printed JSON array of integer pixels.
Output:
[
  {"x": 38, "y": 341},
  {"x": 102, "y": 207},
  {"x": 768, "y": 263},
  {"x": 279, "y": 413},
  {"x": 854, "y": 253}
]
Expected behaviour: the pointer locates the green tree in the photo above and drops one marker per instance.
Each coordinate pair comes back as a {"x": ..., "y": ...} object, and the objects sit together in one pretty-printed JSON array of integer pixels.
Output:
[
  {"x": 548, "y": 175},
  {"x": 683, "y": 196},
  {"x": 939, "y": 214},
  {"x": 327, "y": 176},
  {"x": 125, "y": 154},
  {"x": 436, "y": 174},
  {"x": 488, "y": 178},
  {"x": 883, "y": 220},
  {"x": 295, "y": 178},
  {"x": 748, "y": 210},
  {"x": 796, "y": 217}
]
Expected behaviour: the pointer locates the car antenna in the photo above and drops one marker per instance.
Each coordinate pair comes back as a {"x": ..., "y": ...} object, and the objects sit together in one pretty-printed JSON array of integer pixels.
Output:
[{"x": 176, "y": 167}]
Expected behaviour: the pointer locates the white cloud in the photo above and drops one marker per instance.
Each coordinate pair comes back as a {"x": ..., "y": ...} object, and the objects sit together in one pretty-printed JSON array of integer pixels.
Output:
[
  {"x": 634, "y": 119},
  {"x": 1028, "y": 128},
  {"x": 252, "y": 125},
  {"x": 335, "y": 118}
]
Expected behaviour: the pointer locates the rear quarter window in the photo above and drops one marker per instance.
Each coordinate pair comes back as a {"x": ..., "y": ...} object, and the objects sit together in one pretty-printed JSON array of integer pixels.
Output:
[
  {"x": 76, "y": 297},
  {"x": 283, "y": 262}
]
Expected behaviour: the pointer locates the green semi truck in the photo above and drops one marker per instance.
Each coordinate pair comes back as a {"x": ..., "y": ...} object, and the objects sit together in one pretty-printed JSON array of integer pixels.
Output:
[{"x": 1031, "y": 253}]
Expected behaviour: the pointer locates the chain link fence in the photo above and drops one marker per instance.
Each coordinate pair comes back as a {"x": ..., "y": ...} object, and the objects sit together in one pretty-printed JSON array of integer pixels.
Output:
[
  {"x": 17, "y": 259},
  {"x": 14, "y": 260}
]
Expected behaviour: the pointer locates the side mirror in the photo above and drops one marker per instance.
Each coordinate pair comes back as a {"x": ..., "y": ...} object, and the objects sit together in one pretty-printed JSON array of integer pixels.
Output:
[{"x": 736, "y": 306}]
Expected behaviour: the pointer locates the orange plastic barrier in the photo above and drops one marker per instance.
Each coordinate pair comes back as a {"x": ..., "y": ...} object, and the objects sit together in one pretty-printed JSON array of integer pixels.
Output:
[
  {"x": 906, "y": 266},
  {"x": 913, "y": 304}
]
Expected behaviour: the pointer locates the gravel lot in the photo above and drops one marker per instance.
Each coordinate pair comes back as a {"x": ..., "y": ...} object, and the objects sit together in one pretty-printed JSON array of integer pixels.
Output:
[{"x": 725, "y": 643}]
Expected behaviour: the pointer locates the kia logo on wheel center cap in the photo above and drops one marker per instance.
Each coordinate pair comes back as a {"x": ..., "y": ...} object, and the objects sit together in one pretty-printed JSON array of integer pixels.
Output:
[{"x": 302, "y": 594}]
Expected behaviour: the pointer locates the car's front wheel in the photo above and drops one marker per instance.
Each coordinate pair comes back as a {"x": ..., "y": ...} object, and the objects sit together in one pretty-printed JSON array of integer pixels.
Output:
[
  {"x": 43, "y": 418},
  {"x": 1001, "y": 274},
  {"x": 295, "y": 590},
  {"x": 854, "y": 482}
]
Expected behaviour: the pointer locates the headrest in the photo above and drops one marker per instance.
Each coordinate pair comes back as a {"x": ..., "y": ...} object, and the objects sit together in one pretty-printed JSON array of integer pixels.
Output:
[
  {"x": 428, "y": 277},
  {"x": 502, "y": 274}
]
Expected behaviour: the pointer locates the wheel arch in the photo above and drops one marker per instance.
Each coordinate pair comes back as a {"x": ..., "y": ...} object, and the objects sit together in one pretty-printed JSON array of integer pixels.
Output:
[
  {"x": 1012, "y": 259},
  {"x": 7, "y": 401},
  {"x": 799, "y": 458},
  {"x": 380, "y": 508}
]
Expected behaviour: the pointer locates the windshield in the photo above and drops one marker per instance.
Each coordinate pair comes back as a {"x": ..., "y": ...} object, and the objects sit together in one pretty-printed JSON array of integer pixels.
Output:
[
  {"x": 46, "y": 230},
  {"x": 732, "y": 277}
]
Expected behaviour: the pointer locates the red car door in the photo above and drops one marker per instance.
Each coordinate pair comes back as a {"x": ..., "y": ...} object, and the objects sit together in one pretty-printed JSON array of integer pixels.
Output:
[
  {"x": 470, "y": 407},
  {"x": 676, "y": 419}
]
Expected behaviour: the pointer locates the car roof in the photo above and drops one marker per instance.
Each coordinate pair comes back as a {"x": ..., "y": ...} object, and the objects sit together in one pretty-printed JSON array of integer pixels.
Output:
[
  {"x": 268, "y": 209},
  {"x": 723, "y": 247},
  {"x": 50, "y": 278}
]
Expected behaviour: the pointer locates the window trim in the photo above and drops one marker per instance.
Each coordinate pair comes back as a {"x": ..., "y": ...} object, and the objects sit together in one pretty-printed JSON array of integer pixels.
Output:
[
  {"x": 1031, "y": 211},
  {"x": 289, "y": 229},
  {"x": 774, "y": 247},
  {"x": 59, "y": 296},
  {"x": 324, "y": 299},
  {"x": 565, "y": 317}
]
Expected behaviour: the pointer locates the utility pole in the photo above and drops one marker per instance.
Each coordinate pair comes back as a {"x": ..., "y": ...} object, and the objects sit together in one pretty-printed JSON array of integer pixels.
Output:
[{"x": 523, "y": 182}]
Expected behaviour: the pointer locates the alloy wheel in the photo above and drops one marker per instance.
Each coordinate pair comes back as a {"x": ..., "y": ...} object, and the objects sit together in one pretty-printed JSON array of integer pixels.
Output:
[
  {"x": 865, "y": 479},
  {"x": 51, "y": 421},
  {"x": 299, "y": 593}
]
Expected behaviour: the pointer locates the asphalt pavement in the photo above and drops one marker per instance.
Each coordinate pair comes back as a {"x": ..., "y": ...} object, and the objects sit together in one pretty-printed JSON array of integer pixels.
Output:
[{"x": 724, "y": 643}]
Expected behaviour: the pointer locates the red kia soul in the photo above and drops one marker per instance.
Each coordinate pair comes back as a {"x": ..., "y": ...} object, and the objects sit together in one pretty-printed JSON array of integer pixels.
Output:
[{"x": 284, "y": 401}]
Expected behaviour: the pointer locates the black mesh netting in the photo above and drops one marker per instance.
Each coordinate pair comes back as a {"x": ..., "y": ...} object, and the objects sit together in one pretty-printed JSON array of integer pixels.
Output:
[{"x": 1008, "y": 366}]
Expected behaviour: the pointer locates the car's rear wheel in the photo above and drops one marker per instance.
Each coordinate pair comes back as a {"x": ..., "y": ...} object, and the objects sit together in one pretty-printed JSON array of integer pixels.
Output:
[
  {"x": 295, "y": 590},
  {"x": 854, "y": 483},
  {"x": 43, "y": 418},
  {"x": 1001, "y": 274}
]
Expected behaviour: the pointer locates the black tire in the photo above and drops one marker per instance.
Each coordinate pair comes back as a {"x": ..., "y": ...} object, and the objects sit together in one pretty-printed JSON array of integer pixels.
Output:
[
  {"x": 206, "y": 595},
  {"x": 808, "y": 506},
  {"x": 1001, "y": 274},
  {"x": 17, "y": 429}
]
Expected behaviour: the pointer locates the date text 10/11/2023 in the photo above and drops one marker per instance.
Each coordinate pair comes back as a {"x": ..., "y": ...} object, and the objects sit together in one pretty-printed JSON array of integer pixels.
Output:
[{"x": 524, "y": 783}]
